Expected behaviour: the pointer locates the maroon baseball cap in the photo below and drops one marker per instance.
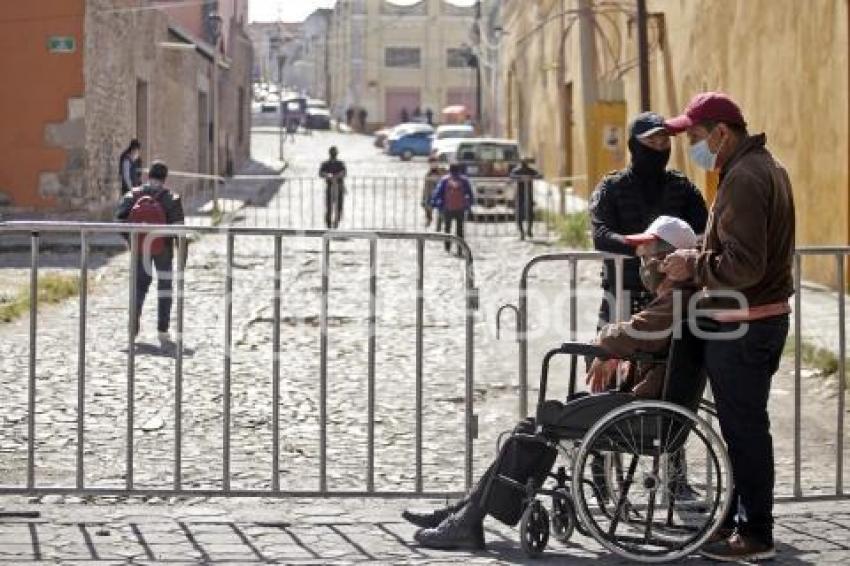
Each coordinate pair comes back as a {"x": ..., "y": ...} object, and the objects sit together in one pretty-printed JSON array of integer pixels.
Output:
[{"x": 714, "y": 106}]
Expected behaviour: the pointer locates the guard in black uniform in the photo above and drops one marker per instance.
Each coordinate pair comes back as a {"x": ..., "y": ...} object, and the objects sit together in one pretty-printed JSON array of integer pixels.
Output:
[{"x": 627, "y": 201}]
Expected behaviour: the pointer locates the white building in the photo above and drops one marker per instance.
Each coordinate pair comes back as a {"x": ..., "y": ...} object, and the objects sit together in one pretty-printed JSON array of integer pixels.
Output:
[{"x": 392, "y": 59}]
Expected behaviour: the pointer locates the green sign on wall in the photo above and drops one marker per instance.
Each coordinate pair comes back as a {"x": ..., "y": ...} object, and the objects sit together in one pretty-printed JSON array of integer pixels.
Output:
[{"x": 61, "y": 44}]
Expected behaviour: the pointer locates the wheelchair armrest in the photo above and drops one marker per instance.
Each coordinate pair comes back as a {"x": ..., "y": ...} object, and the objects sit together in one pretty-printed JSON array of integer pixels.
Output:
[{"x": 592, "y": 350}]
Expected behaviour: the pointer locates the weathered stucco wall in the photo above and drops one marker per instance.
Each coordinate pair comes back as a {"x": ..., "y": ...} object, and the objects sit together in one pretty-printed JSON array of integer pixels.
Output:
[{"x": 29, "y": 107}]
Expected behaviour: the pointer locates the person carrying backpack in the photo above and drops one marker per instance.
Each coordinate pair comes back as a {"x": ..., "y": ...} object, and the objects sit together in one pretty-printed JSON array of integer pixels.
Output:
[
  {"x": 453, "y": 198},
  {"x": 153, "y": 203}
]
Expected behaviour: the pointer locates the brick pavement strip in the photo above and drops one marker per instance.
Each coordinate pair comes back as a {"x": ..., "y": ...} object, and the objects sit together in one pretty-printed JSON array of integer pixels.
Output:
[{"x": 327, "y": 531}]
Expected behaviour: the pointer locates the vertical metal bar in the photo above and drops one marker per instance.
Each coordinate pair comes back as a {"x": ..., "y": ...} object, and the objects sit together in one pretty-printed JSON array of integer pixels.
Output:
[
  {"x": 313, "y": 205},
  {"x": 228, "y": 337},
  {"x": 323, "y": 367},
  {"x": 131, "y": 354},
  {"x": 384, "y": 203},
  {"x": 373, "y": 290},
  {"x": 471, "y": 425},
  {"x": 420, "y": 302},
  {"x": 34, "y": 250},
  {"x": 180, "y": 273},
  {"x": 522, "y": 335},
  {"x": 842, "y": 378},
  {"x": 278, "y": 261},
  {"x": 798, "y": 353},
  {"x": 573, "y": 320},
  {"x": 619, "y": 310},
  {"x": 81, "y": 358}
]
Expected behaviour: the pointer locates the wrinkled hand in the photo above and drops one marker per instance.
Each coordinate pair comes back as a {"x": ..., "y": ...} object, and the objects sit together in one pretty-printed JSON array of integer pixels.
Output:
[
  {"x": 601, "y": 375},
  {"x": 677, "y": 265}
]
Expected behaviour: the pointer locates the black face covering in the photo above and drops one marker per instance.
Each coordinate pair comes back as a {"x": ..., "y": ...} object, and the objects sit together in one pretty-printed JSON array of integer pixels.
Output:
[{"x": 648, "y": 163}]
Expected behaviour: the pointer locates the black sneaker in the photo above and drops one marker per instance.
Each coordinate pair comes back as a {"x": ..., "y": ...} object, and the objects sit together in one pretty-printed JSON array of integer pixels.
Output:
[
  {"x": 428, "y": 520},
  {"x": 454, "y": 533},
  {"x": 740, "y": 548}
]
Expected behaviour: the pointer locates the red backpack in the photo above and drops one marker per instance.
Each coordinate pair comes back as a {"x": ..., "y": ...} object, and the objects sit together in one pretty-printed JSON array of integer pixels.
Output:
[
  {"x": 453, "y": 198},
  {"x": 148, "y": 209}
]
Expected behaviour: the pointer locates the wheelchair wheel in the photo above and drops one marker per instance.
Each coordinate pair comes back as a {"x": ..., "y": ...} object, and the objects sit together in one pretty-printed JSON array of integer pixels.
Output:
[
  {"x": 663, "y": 448},
  {"x": 534, "y": 529},
  {"x": 563, "y": 516}
]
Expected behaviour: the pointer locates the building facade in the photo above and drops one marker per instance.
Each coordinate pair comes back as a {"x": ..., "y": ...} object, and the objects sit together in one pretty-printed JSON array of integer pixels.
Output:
[
  {"x": 392, "y": 59},
  {"x": 108, "y": 71},
  {"x": 569, "y": 78},
  {"x": 275, "y": 47}
]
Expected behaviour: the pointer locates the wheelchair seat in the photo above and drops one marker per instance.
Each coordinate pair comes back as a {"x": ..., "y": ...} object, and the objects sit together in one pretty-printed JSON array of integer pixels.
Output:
[{"x": 572, "y": 420}]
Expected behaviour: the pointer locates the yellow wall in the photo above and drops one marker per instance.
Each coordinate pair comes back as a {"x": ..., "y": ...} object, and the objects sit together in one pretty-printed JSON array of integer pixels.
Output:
[{"x": 784, "y": 61}]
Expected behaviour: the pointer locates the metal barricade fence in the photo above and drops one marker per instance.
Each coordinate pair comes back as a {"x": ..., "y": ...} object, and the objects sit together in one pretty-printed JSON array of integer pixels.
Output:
[
  {"x": 370, "y": 203},
  {"x": 840, "y": 255},
  {"x": 86, "y": 230},
  {"x": 573, "y": 258}
]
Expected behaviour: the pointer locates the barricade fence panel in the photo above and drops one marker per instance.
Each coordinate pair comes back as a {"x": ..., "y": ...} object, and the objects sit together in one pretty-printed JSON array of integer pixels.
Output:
[
  {"x": 369, "y": 203},
  {"x": 802, "y": 473},
  {"x": 242, "y": 404}
]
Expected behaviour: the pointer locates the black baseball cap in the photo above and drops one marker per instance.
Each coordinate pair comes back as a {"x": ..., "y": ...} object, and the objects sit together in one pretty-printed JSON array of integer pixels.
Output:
[{"x": 646, "y": 124}]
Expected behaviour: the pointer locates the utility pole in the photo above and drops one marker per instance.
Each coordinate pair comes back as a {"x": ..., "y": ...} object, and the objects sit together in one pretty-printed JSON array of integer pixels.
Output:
[
  {"x": 643, "y": 55},
  {"x": 477, "y": 62},
  {"x": 215, "y": 21}
]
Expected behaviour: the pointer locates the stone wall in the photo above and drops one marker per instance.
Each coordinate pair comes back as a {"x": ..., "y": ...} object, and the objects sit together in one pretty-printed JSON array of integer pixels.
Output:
[{"x": 126, "y": 48}]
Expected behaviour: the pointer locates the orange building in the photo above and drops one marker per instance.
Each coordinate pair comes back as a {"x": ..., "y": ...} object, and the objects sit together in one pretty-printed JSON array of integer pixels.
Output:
[{"x": 42, "y": 72}]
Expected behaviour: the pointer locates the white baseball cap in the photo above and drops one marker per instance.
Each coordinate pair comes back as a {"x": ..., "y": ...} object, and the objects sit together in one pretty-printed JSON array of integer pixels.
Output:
[{"x": 674, "y": 231}]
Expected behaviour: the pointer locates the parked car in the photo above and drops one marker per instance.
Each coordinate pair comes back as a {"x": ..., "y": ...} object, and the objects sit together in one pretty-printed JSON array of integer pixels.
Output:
[
  {"x": 405, "y": 129},
  {"x": 446, "y": 139},
  {"x": 410, "y": 144},
  {"x": 488, "y": 163},
  {"x": 318, "y": 118}
]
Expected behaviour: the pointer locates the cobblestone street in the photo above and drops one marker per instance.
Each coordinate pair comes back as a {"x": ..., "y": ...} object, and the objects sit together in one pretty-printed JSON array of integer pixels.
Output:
[{"x": 310, "y": 530}]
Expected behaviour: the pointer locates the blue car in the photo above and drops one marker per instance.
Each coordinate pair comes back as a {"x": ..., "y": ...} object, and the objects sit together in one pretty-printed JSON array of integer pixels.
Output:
[{"x": 408, "y": 145}]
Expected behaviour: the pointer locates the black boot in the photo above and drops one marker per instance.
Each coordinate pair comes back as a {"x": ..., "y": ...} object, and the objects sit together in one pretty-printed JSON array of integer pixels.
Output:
[
  {"x": 429, "y": 520},
  {"x": 462, "y": 530}
]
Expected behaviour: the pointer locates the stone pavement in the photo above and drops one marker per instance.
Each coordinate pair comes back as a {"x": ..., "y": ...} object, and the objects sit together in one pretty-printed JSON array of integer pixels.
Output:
[{"x": 332, "y": 531}]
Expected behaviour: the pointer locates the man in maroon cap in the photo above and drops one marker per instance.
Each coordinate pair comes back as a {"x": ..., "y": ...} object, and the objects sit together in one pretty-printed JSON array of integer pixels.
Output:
[{"x": 748, "y": 250}]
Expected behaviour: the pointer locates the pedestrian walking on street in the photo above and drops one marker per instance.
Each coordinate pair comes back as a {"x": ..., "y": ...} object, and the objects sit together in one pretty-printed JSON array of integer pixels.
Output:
[
  {"x": 333, "y": 172},
  {"x": 627, "y": 201},
  {"x": 349, "y": 115},
  {"x": 453, "y": 198},
  {"x": 432, "y": 177},
  {"x": 748, "y": 249},
  {"x": 405, "y": 117},
  {"x": 130, "y": 166},
  {"x": 524, "y": 174},
  {"x": 429, "y": 116},
  {"x": 153, "y": 203},
  {"x": 362, "y": 116}
]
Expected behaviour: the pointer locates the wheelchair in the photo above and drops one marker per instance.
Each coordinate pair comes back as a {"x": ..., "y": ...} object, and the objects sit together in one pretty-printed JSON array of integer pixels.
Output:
[{"x": 649, "y": 480}]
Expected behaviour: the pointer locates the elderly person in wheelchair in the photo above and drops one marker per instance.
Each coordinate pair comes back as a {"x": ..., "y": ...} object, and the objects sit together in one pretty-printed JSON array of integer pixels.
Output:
[{"x": 627, "y": 449}]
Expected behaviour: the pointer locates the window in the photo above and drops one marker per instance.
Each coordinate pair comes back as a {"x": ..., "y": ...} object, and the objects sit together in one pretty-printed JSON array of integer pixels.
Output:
[
  {"x": 456, "y": 58},
  {"x": 407, "y": 57}
]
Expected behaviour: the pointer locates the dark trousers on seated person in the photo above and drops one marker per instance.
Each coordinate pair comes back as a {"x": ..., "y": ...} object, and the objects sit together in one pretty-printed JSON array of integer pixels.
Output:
[
  {"x": 740, "y": 372},
  {"x": 522, "y": 460}
]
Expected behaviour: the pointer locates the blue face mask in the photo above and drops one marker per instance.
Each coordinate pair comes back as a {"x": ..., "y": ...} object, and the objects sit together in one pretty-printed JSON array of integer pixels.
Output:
[{"x": 702, "y": 156}]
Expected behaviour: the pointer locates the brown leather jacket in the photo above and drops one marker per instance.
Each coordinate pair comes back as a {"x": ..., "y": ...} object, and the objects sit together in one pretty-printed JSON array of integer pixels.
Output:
[
  {"x": 749, "y": 241},
  {"x": 649, "y": 331}
]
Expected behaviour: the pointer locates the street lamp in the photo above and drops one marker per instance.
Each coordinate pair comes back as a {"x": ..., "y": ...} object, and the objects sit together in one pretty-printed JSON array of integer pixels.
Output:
[
  {"x": 214, "y": 21},
  {"x": 471, "y": 59}
]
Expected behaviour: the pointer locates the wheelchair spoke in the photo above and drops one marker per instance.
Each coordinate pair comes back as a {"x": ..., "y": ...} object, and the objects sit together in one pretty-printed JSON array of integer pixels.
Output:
[
  {"x": 623, "y": 496},
  {"x": 650, "y": 512}
]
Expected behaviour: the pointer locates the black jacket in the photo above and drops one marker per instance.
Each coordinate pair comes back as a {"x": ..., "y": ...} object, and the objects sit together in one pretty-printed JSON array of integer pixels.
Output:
[{"x": 620, "y": 206}]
